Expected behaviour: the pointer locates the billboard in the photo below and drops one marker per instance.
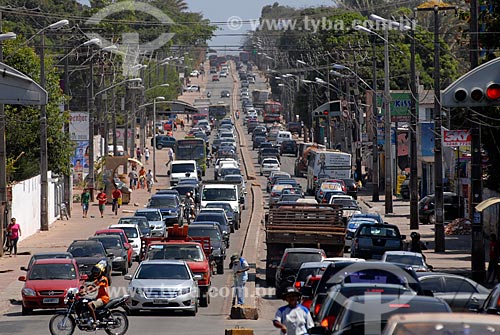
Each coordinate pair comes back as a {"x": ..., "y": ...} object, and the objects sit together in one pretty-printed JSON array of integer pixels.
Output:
[
  {"x": 79, "y": 126},
  {"x": 400, "y": 106},
  {"x": 456, "y": 138},
  {"x": 80, "y": 161}
]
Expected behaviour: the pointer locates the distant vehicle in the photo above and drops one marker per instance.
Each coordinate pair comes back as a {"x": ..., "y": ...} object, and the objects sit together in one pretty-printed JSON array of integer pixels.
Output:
[
  {"x": 272, "y": 111},
  {"x": 453, "y": 207},
  {"x": 192, "y": 88},
  {"x": 163, "y": 141},
  {"x": 113, "y": 245},
  {"x": 224, "y": 94},
  {"x": 413, "y": 259},
  {"x": 223, "y": 74},
  {"x": 288, "y": 147},
  {"x": 215, "y": 77},
  {"x": 139, "y": 221},
  {"x": 372, "y": 240},
  {"x": 194, "y": 73},
  {"x": 156, "y": 223}
]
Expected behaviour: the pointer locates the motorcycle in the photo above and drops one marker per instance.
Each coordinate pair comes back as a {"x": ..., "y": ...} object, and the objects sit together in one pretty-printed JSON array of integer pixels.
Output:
[
  {"x": 77, "y": 314},
  {"x": 209, "y": 94},
  {"x": 189, "y": 213}
]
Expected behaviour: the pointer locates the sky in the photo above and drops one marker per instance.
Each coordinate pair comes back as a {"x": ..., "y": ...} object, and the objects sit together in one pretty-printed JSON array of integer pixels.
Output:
[{"x": 220, "y": 11}]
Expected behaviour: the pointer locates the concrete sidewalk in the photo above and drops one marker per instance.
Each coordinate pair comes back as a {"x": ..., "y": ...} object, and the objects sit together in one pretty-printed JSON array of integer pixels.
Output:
[{"x": 457, "y": 255}]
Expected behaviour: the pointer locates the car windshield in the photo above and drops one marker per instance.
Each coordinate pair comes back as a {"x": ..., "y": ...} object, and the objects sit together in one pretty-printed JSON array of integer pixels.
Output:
[
  {"x": 295, "y": 259},
  {"x": 162, "y": 271},
  {"x": 345, "y": 202},
  {"x": 225, "y": 172},
  {"x": 87, "y": 250},
  {"x": 185, "y": 252},
  {"x": 213, "y": 217},
  {"x": 151, "y": 216},
  {"x": 131, "y": 232},
  {"x": 223, "y": 205},
  {"x": 200, "y": 232},
  {"x": 183, "y": 168},
  {"x": 405, "y": 259},
  {"x": 306, "y": 272},
  {"x": 52, "y": 271},
  {"x": 218, "y": 194},
  {"x": 162, "y": 202},
  {"x": 110, "y": 243}
]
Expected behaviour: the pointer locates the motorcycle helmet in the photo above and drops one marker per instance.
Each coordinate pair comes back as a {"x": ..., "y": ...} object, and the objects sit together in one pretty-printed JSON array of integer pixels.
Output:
[
  {"x": 98, "y": 270},
  {"x": 415, "y": 236},
  {"x": 188, "y": 194}
]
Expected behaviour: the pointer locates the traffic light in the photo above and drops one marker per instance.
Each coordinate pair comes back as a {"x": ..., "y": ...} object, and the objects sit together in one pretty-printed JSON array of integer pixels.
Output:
[
  {"x": 479, "y": 87},
  {"x": 321, "y": 113}
]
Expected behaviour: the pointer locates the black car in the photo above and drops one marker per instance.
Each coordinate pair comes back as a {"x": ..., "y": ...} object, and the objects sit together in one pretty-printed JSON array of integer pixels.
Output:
[
  {"x": 251, "y": 125},
  {"x": 231, "y": 215},
  {"x": 289, "y": 147},
  {"x": 268, "y": 152},
  {"x": 351, "y": 187},
  {"x": 257, "y": 141},
  {"x": 216, "y": 242},
  {"x": 88, "y": 253},
  {"x": 290, "y": 264},
  {"x": 372, "y": 240},
  {"x": 224, "y": 94},
  {"x": 163, "y": 141},
  {"x": 453, "y": 208},
  {"x": 183, "y": 189},
  {"x": 226, "y": 226},
  {"x": 169, "y": 206},
  {"x": 114, "y": 245},
  {"x": 259, "y": 131}
]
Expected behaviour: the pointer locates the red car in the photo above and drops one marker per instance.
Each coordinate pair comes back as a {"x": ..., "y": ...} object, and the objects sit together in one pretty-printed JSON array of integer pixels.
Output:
[
  {"x": 308, "y": 290},
  {"x": 47, "y": 281},
  {"x": 124, "y": 238}
]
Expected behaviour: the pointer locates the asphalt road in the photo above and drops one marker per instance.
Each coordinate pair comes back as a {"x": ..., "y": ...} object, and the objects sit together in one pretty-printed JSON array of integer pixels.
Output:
[{"x": 211, "y": 320}]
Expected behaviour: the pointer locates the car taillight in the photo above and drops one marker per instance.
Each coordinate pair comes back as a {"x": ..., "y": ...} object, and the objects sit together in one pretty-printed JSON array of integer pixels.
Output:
[
  {"x": 317, "y": 308},
  {"x": 426, "y": 207},
  {"x": 297, "y": 285},
  {"x": 315, "y": 178},
  {"x": 323, "y": 201},
  {"x": 273, "y": 194},
  {"x": 328, "y": 321},
  {"x": 205, "y": 276}
]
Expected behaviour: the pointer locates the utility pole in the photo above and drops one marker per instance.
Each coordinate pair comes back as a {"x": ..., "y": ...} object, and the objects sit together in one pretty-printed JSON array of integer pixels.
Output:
[
  {"x": 90, "y": 108},
  {"x": 358, "y": 125},
  {"x": 413, "y": 132},
  {"x": 477, "y": 260},
  {"x": 3, "y": 163},
  {"x": 66, "y": 177},
  {"x": 387, "y": 126},
  {"x": 375, "y": 163},
  {"x": 44, "y": 182}
]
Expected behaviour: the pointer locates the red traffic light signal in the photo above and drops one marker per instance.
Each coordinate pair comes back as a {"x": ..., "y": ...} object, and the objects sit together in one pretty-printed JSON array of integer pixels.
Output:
[
  {"x": 326, "y": 112},
  {"x": 493, "y": 91}
]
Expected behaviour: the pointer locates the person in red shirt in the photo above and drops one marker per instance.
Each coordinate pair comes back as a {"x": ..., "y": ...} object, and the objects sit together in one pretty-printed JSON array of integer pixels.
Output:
[
  {"x": 116, "y": 196},
  {"x": 14, "y": 231},
  {"x": 102, "y": 198}
]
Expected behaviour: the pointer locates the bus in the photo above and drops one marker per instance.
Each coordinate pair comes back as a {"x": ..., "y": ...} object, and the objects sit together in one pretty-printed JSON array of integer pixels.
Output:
[
  {"x": 244, "y": 56},
  {"x": 325, "y": 163},
  {"x": 192, "y": 149},
  {"x": 259, "y": 97},
  {"x": 272, "y": 111},
  {"x": 218, "y": 110}
]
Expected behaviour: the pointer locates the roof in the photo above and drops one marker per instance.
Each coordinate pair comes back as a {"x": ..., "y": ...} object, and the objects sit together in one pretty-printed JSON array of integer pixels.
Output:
[
  {"x": 314, "y": 265},
  {"x": 112, "y": 230},
  {"x": 55, "y": 261},
  {"x": 405, "y": 253},
  {"x": 162, "y": 261},
  {"x": 53, "y": 253},
  {"x": 444, "y": 318},
  {"x": 124, "y": 225},
  {"x": 308, "y": 250},
  {"x": 183, "y": 161}
]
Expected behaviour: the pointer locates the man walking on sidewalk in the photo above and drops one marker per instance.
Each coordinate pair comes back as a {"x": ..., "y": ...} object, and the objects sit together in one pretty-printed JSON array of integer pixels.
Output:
[
  {"x": 85, "y": 199},
  {"x": 102, "y": 198}
]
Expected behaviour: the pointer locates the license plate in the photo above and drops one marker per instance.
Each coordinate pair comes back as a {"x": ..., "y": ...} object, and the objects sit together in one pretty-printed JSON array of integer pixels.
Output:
[
  {"x": 160, "y": 301},
  {"x": 51, "y": 300}
]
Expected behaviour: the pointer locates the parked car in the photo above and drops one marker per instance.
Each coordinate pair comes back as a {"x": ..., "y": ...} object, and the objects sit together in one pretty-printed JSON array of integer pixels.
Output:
[
  {"x": 113, "y": 245},
  {"x": 453, "y": 208},
  {"x": 163, "y": 285},
  {"x": 47, "y": 281},
  {"x": 461, "y": 293},
  {"x": 163, "y": 141},
  {"x": 290, "y": 264},
  {"x": 372, "y": 240}
]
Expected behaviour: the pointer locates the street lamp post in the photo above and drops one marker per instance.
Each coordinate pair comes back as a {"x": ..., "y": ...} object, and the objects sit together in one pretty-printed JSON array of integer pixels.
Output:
[
  {"x": 3, "y": 155},
  {"x": 44, "y": 185},
  {"x": 154, "y": 134}
]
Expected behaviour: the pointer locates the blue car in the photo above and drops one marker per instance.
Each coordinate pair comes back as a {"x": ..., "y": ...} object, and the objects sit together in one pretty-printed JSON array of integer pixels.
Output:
[{"x": 169, "y": 206}]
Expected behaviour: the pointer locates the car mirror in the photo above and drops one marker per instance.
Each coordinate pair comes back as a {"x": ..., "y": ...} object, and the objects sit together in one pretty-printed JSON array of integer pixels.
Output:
[
  {"x": 127, "y": 277},
  {"x": 23, "y": 268},
  {"x": 85, "y": 277},
  {"x": 430, "y": 267},
  {"x": 403, "y": 237},
  {"x": 197, "y": 277},
  {"x": 428, "y": 293},
  {"x": 22, "y": 278},
  {"x": 473, "y": 307},
  {"x": 110, "y": 255}
]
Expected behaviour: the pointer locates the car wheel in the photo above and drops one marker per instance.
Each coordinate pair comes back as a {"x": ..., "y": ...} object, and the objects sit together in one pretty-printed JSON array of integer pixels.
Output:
[
  {"x": 204, "y": 299},
  {"x": 159, "y": 146},
  {"x": 193, "y": 312},
  {"x": 125, "y": 269},
  {"x": 26, "y": 311}
]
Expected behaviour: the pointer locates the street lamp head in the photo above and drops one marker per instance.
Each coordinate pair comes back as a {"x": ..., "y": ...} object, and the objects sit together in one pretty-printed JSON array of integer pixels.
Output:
[
  {"x": 306, "y": 81},
  {"x": 8, "y": 36},
  {"x": 164, "y": 85},
  {"x": 58, "y": 24},
  {"x": 361, "y": 28},
  {"x": 159, "y": 98},
  {"x": 95, "y": 41},
  {"x": 337, "y": 74},
  {"x": 374, "y": 17},
  {"x": 301, "y": 62},
  {"x": 110, "y": 48},
  {"x": 339, "y": 66},
  {"x": 134, "y": 80}
]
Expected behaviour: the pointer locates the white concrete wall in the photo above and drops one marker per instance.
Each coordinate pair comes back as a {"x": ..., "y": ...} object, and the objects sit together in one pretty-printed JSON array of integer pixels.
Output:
[{"x": 25, "y": 205}]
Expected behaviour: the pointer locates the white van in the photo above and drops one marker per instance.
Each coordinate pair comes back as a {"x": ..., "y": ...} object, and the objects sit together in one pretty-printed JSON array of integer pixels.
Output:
[
  {"x": 283, "y": 136},
  {"x": 181, "y": 169}
]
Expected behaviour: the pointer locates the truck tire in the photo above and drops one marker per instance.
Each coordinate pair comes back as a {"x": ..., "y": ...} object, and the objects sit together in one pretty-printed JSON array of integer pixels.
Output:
[
  {"x": 159, "y": 146},
  {"x": 270, "y": 277},
  {"x": 220, "y": 267},
  {"x": 204, "y": 298}
]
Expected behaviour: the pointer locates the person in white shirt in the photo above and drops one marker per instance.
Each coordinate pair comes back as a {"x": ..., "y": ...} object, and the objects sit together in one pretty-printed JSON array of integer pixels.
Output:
[
  {"x": 146, "y": 155},
  {"x": 293, "y": 319},
  {"x": 240, "y": 275}
]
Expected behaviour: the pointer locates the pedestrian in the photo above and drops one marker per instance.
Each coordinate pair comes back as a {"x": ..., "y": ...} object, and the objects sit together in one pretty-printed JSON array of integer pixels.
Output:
[
  {"x": 116, "y": 195},
  {"x": 146, "y": 155},
  {"x": 149, "y": 180},
  {"x": 293, "y": 319},
  {"x": 240, "y": 276},
  {"x": 182, "y": 124},
  {"x": 85, "y": 199},
  {"x": 416, "y": 245},
  {"x": 493, "y": 263},
  {"x": 133, "y": 176},
  {"x": 175, "y": 126},
  {"x": 13, "y": 231},
  {"x": 102, "y": 198},
  {"x": 142, "y": 176},
  {"x": 170, "y": 155},
  {"x": 237, "y": 114},
  {"x": 138, "y": 153}
]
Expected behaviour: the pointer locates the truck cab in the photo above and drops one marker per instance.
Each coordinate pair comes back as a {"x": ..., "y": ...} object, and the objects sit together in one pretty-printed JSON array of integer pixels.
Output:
[{"x": 223, "y": 191}]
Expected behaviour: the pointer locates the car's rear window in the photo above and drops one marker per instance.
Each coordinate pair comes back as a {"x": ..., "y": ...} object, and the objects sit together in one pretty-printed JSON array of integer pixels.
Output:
[
  {"x": 378, "y": 231},
  {"x": 295, "y": 259},
  {"x": 306, "y": 272}
]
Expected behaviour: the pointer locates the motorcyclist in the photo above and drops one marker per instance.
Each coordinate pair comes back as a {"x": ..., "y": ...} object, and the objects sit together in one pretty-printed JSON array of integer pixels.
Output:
[
  {"x": 209, "y": 94},
  {"x": 100, "y": 284},
  {"x": 189, "y": 203},
  {"x": 416, "y": 245}
]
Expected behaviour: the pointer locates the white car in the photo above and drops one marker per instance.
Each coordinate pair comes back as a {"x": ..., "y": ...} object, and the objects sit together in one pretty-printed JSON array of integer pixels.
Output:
[
  {"x": 133, "y": 235},
  {"x": 414, "y": 259},
  {"x": 223, "y": 74},
  {"x": 163, "y": 285},
  {"x": 194, "y": 73},
  {"x": 268, "y": 165},
  {"x": 192, "y": 88}
]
